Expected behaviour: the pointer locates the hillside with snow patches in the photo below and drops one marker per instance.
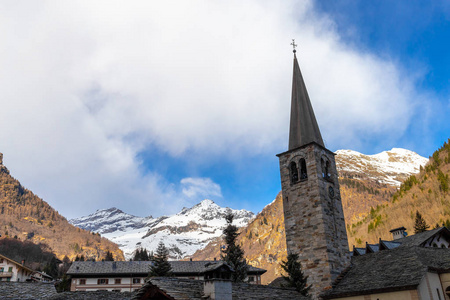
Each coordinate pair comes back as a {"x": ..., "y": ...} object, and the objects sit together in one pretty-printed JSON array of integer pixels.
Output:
[
  {"x": 183, "y": 233},
  {"x": 388, "y": 167}
]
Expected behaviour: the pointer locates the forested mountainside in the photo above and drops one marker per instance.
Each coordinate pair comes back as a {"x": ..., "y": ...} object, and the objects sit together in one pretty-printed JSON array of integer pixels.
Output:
[
  {"x": 25, "y": 216},
  {"x": 426, "y": 192},
  {"x": 366, "y": 181},
  {"x": 370, "y": 180}
]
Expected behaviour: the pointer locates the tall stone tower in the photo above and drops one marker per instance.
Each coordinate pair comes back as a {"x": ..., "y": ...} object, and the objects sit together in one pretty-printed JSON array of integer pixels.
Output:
[{"x": 313, "y": 214}]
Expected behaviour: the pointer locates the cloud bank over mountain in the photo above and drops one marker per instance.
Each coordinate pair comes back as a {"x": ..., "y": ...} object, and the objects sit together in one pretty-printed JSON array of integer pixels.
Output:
[{"x": 87, "y": 87}]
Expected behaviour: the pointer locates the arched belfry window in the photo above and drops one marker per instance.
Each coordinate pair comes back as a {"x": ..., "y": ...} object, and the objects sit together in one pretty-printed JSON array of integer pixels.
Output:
[
  {"x": 303, "y": 172},
  {"x": 293, "y": 172},
  {"x": 325, "y": 169}
]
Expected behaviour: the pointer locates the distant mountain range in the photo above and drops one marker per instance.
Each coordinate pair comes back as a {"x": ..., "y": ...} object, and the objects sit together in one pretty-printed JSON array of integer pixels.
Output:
[
  {"x": 193, "y": 228},
  {"x": 183, "y": 233}
]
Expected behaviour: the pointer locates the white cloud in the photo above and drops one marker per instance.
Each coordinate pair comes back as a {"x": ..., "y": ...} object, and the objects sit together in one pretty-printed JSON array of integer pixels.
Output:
[
  {"x": 200, "y": 188},
  {"x": 86, "y": 86}
]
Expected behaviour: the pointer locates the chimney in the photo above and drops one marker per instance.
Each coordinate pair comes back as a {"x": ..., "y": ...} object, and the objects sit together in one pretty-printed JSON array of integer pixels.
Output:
[
  {"x": 398, "y": 233},
  {"x": 218, "y": 289}
]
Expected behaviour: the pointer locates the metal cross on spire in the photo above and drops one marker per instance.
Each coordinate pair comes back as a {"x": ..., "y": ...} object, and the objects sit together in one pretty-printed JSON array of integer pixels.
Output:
[{"x": 294, "y": 45}]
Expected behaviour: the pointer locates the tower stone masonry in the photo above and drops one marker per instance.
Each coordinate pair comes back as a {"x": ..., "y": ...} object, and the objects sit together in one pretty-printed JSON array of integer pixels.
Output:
[{"x": 313, "y": 214}]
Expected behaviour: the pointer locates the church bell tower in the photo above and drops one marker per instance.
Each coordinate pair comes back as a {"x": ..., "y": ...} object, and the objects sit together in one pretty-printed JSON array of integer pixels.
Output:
[{"x": 313, "y": 214}]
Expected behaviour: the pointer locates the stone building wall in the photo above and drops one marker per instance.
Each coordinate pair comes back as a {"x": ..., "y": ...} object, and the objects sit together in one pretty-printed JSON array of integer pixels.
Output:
[{"x": 314, "y": 218}]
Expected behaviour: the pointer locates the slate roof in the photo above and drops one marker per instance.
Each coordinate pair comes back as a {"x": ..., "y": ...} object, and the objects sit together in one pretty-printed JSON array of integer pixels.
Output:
[
  {"x": 109, "y": 267},
  {"x": 84, "y": 268},
  {"x": 419, "y": 239},
  {"x": 388, "y": 245},
  {"x": 97, "y": 295},
  {"x": 358, "y": 251},
  {"x": 26, "y": 290},
  {"x": 188, "y": 289},
  {"x": 401, "y": 268},
  {"x": 399, "y": 228},
  {"x": 372, "y": 248}
]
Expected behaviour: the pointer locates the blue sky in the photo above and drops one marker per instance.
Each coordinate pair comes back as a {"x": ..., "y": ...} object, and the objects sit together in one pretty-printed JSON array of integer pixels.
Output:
[{"x": 150, "y": 107}]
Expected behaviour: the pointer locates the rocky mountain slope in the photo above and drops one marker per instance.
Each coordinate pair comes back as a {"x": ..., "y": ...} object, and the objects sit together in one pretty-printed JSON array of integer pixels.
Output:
[
  {"x": 365, "y": 180},
  {"x": 183, "y": 234},
  {"x": 25, "y": 216}
]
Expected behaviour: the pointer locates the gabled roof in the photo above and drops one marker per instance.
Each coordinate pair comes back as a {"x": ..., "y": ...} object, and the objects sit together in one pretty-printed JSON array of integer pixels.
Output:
[
  {"x": 16, "y": 263},
  {"x": 387, "y": 245},
  {"x": 398, "y": 269},
  {"x": 372, "y": 248},
  {"x": 358, "y": 251},
  {"x": 143, "y": 267},
  {"x": 109, "y": 267},
  {"x": 183, "y": 289},
  {"x": 303, "y": 125},
  {"x": 419, "y": 239}
]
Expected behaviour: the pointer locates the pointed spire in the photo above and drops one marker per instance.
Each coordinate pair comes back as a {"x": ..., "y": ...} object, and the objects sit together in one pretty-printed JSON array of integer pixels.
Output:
[{"x": 303, "y": 128}]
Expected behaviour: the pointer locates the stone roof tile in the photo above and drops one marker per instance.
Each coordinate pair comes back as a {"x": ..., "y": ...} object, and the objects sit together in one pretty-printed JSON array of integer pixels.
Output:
[
  {"x": 26, "y": 290},
  {"x": 188, "y": 289}
]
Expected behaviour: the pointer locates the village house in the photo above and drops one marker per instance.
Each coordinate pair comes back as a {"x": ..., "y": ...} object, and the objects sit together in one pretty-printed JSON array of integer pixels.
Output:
[
  {"x": 41, "y": 277},
  {"x": 11, "y": 270},
  {"x": 411, "y": 267},
  {"x": 128, "y": 276}
]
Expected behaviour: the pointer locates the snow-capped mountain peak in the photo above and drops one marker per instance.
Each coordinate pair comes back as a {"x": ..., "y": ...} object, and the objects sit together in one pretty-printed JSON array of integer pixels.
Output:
[{"x": 183, "y": 233}]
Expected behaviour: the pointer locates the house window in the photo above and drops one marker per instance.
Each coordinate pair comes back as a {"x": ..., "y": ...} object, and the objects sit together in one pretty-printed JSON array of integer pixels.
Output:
[
  {"x": 102, "y": 281},
  {"x": 136, "y": 280},
  {"x": 251, "y": 279},
  {"x": 293, "y": 172},
  {"x": 82, "y": 281},
  {"x": 117, "y": 281},
  {"x": 1, "y": 260},
  {"x": 303, "y": 172},
  {"x": 1, "y": 269},
  {"x": 10, "y": 269}
]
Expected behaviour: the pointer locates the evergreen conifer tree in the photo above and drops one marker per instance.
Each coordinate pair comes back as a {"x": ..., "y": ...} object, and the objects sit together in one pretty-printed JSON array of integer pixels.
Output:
[
  {"x": 295, "y": 277},
  {"x": 109, "y": 256},
  {"x": 420, "y": 225},
  {"x": 161, "y": 266},
  {"x": 233, "y": 254}
]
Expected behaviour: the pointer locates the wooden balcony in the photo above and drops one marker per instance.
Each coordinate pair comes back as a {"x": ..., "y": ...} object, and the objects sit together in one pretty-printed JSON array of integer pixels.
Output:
[{"x": 6, "y": 274}]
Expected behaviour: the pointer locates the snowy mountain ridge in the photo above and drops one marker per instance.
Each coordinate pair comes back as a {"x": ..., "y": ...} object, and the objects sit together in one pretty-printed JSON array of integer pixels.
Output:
[
  {"x": 389, "y": 167},
  {"x": 183, "y": 233}
]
